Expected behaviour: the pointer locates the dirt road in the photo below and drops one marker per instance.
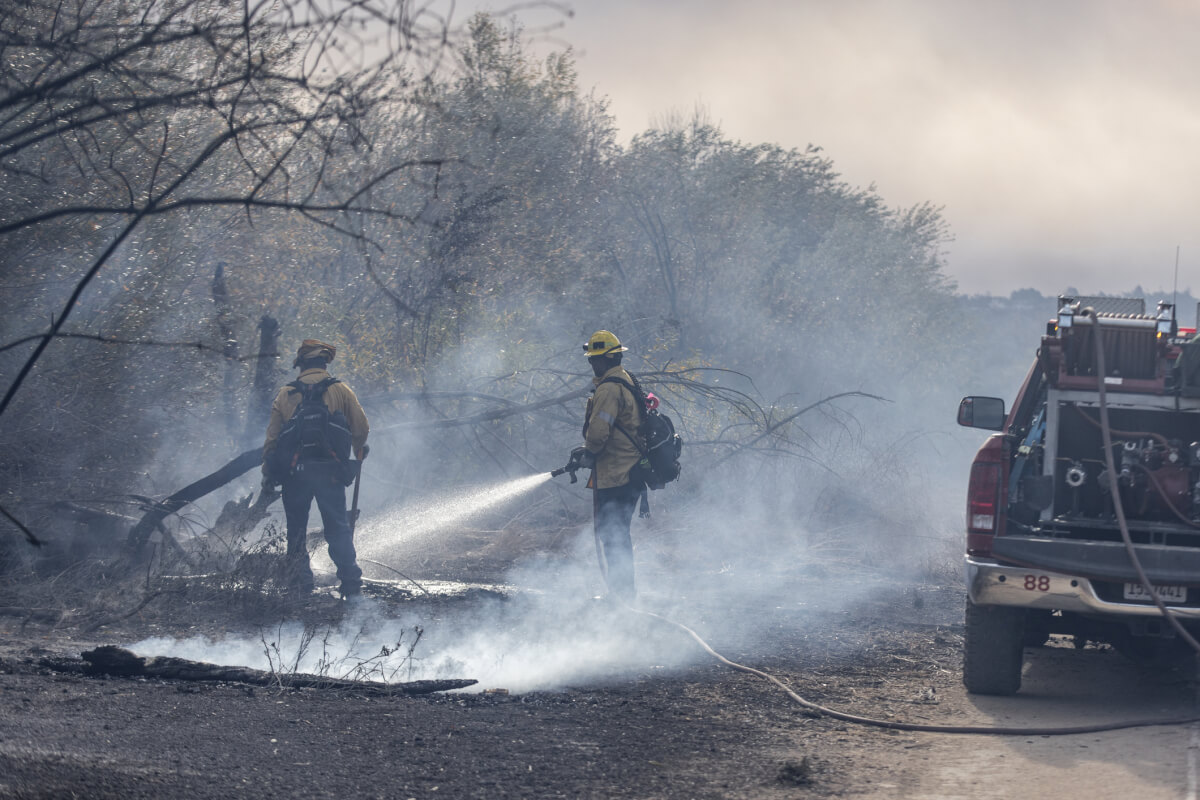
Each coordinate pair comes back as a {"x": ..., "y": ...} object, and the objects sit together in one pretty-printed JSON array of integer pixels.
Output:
[
  {"x": 1063, "y": 687},
  {"x": 676, "y": 725}
]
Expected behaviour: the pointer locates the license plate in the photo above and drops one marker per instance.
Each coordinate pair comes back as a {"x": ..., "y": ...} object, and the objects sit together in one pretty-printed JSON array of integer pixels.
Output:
[{"x": 1169, "y": 594}]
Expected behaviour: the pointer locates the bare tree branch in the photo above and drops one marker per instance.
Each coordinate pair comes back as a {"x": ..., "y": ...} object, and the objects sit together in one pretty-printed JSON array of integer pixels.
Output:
[
  {"x": 774, "y": 426},
  {"x": 33, "y": 540},
  {"x": 489, "y": 416}
]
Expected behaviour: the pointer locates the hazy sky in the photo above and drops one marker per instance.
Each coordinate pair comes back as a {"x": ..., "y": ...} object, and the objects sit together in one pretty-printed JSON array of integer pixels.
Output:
[{"x": 1061, "y": 137}]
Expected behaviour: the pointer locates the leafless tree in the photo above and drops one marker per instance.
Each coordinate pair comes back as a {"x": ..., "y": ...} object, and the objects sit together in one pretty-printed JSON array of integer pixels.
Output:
[
  {"x": 120, "y": 111},
  {"x": 117, "y": 112}
]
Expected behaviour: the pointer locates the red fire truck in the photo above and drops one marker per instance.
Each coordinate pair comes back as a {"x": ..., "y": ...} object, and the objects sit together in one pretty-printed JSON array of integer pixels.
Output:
[{"x": 1068, "y": 535}]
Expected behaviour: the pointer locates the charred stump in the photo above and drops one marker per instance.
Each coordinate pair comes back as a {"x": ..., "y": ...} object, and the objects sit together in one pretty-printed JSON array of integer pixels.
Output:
[
  {"x": 264, "y": 378},
  {"x": 226, "y": 321}
]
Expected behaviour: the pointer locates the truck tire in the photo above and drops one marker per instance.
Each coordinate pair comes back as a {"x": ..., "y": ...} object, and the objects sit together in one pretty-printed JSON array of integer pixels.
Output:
[{"x": 993, "y": 649}]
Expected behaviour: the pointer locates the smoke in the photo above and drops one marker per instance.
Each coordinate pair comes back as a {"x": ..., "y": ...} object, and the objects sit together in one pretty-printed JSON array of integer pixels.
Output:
[
  {"x": 1092, "y": 105},
  {"x": 550, "y": 632},
  {"x": 501, "y": 305},
  {"x": 722, "y": 548},
  {"x": 721, "y": 567}
]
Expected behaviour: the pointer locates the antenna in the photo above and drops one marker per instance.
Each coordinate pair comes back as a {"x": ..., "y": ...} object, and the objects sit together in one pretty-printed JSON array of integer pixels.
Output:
[{"x": 1175, "y": 288}]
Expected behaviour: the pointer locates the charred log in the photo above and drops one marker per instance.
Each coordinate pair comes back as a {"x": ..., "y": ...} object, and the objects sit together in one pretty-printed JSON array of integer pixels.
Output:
[{"x": 112, "y": 660}]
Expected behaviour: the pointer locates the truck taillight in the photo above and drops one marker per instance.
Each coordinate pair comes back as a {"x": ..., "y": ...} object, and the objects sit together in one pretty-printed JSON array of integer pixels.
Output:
[{"x": 986, "y": 497}]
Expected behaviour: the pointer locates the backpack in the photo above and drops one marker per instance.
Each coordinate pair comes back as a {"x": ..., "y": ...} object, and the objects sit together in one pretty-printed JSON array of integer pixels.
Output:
[
  {"x": 660, "y": 456},
  {"x": 314, "y": 433}
]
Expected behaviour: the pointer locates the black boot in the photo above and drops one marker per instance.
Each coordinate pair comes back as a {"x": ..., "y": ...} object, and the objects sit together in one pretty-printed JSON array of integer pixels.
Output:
[{"x": 299, "y": 579}]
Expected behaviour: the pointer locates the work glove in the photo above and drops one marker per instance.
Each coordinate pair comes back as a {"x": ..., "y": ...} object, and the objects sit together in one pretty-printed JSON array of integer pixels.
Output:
[
  {"x": 585, "y": 458},
  {"x": 268, "y": 484},
  {"x": 362, "y": 454}
]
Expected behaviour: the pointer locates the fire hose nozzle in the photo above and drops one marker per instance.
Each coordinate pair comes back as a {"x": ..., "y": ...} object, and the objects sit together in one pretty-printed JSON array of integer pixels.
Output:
[
  {"x": 578, "y": 461},
  {"x": 571, "y": 468}
]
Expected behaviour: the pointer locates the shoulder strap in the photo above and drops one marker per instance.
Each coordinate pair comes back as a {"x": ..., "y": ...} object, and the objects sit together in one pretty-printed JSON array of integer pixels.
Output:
[
  {"x": 309, "y": 390},
  {"x": 635, "y": 389},
  {"x": 622, "y": 381},
  {"x": 632, "y": 440},
  {"x": 636, "y": 401}
]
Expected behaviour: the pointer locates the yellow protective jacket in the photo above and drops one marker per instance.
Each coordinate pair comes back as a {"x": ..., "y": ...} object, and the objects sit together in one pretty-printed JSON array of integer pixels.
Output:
[
  {"x": 338, "y": 397},
  {"x": 615, "y": 454}
]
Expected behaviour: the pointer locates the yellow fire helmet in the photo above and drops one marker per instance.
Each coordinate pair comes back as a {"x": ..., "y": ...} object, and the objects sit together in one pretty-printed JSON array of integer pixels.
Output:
[
  {"x": 314, "y": 347},
  {"x": 603, "y": 343}
]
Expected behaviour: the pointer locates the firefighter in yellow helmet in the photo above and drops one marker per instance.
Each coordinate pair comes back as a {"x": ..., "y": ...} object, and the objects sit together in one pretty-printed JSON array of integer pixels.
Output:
[
  {"x": 318, "y": 473},
  {"x": 611, "y": 418}
]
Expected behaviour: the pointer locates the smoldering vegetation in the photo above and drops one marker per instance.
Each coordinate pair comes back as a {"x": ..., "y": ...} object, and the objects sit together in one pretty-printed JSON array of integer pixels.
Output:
[{"x": 457, "y": 216}]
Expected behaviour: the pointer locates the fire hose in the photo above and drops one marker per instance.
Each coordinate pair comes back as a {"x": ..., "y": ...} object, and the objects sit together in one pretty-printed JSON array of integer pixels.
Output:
[
  {"x": 1118, "y": 508},
  {"x": 858, "y": 719}
]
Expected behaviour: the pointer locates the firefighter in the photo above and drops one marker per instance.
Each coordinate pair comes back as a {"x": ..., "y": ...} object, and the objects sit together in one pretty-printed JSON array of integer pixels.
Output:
[
  {"x": 612, "y": 456},
  {"x": 307, "y": 477}
]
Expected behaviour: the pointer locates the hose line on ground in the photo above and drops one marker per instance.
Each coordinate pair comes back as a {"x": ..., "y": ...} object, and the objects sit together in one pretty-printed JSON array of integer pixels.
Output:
[{"x": 913, "y": 726}]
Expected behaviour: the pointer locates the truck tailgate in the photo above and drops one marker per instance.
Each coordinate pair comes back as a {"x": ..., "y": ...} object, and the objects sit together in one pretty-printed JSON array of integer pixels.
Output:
[{"x": 1101, "y": 560}]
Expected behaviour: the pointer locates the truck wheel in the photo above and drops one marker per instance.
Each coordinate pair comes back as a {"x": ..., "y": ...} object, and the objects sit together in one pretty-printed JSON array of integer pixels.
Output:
[{"x": 993, "y": 649}]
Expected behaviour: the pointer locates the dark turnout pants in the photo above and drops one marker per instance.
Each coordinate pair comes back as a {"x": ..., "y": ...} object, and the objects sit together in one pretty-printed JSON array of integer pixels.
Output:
[
  {"x": 613, "y": 512},
  {"x": 299, "y": 490}
]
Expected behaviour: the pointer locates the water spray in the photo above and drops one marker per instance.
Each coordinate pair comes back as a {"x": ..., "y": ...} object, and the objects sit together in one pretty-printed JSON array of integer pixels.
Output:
[{"x": 425, "y": 519}]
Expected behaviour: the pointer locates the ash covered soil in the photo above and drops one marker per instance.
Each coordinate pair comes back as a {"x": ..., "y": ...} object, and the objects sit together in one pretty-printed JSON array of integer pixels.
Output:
[{"x": 667, "y": 722}]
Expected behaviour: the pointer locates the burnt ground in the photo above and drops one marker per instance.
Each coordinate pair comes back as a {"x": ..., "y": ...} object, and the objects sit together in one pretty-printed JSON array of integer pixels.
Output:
[{"x": 697, "y": 730}]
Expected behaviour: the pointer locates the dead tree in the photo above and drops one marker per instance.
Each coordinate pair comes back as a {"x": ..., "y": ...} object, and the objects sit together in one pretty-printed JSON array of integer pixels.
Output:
[
  {"x": 225, "y": 322},
  {"x": 264, "y": 378},
  {"x": 111, "y": 119},
  {"x": 258, "y": 74},
  {"x": 140, "y": 533}
]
